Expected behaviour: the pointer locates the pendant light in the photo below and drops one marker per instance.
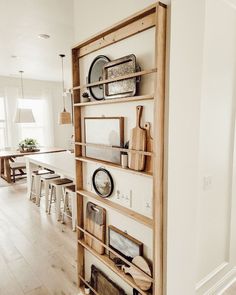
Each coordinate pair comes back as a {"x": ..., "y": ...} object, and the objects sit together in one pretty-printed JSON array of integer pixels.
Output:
[
  {"x": 23, "y": 115},
  {"x": 64, "y": 116}
]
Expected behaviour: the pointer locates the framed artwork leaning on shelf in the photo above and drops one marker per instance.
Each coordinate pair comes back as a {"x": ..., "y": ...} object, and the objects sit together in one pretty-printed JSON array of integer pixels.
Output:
[
  {"x": 123, "y": 244},
  {"x": 108, "y": 131}
]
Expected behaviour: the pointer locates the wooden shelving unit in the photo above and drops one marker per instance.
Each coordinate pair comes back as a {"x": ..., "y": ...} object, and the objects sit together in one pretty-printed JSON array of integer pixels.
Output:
[{"x": 152, "y": 17}]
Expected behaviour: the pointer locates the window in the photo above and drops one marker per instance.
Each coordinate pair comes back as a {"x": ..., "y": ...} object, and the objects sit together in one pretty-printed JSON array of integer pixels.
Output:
[
  {"x": 3, "y": 126},
  {"x": 35, "y": 130}
]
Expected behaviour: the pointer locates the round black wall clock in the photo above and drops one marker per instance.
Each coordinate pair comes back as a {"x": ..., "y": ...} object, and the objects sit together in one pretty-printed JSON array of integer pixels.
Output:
[{"x": 102, "y": 182}]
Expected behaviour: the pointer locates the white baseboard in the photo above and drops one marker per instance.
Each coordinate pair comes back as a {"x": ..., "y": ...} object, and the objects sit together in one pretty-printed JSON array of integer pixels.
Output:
[
  {"x": 217, "y": 281},
  {"x": 211, "y": 275},
  {"x": 223, "y": 284},
  {"x": 216, "y": 285}
]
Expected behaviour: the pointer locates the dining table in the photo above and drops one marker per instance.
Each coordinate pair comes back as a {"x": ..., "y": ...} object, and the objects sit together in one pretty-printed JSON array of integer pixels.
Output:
[
  {"x": 62, "y": 163},
  {"x": 9, "y": 155}
]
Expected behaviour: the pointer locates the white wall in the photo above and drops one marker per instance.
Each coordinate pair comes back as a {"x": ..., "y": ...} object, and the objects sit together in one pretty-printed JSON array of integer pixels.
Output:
[
  {"x": 92, "y": 16},
  {"x": 10, "y": 88},
  {"x": 186, "y": 58},
  {"x": 216, "y": 143}
]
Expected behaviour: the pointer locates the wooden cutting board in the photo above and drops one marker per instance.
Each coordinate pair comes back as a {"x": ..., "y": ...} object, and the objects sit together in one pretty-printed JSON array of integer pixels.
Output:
[
  {"x": 149, "y": 160},
  {"x": 143, "y": 282},
  {"x": 95, "y": 224},
  {"x": 137, "y": 142}
]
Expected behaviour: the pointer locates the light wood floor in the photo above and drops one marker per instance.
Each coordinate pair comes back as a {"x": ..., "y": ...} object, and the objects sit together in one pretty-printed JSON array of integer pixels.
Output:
[
  {"x": 37, "y": 254},
  {"x": 231, "y": 290}
]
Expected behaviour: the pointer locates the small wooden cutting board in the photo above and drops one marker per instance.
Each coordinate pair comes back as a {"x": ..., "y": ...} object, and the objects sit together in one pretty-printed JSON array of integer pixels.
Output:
[
  {"x": 142, "y": 281},
  {"x": 137, "y": 142},
  {"x": 95, "y": 224}
]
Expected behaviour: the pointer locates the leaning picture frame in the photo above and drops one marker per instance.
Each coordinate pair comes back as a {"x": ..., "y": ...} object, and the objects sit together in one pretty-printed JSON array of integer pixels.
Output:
[
  {"x": 124, "y": 244},
  {"x": 109, "y": 132},
  {"x": 102, "y": 284}
]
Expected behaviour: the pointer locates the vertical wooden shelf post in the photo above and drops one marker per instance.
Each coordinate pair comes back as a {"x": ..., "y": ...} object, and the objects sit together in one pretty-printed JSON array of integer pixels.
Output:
[
  {"x": 79, "y": 171},
  {"x": 158, "y": 146}
]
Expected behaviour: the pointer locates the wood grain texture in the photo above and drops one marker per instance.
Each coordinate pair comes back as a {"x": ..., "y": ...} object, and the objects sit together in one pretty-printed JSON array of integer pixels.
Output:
[
  {"x": 149, "y": 160},
  {"x": 231, "y": 290},
  {"x": 117, "y": 207},
  {"x": 142, "y": 281},
  {"x": 100, "y": 40},
  {"x": 116, "y": 100},
  {"x": 110, "y": 264},
  {"x": 158, "y": 148},
  {"x": 119, "y": 78},
  {"x": 129, "y": 30},
  {"x": 138, "y": 142},
  {"x": 112, "y": 165},
  {"x": 40, "y": 259},
  {"x": 108, "y": 147},
  {"x": 109, "y": 249},
  {"x": 78, "y": 152},
  {"x": 16, "y": 153},
  {"x": 95, "y": 224},
  {"x": 146, "y": 11}
]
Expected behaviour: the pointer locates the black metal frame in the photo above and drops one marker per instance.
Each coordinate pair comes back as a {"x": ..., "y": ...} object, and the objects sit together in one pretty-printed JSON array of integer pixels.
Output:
[{"x": 110, "y": 178}]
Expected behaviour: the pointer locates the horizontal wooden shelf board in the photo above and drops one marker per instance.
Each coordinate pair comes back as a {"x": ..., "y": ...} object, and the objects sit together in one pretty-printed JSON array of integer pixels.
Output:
[
  {"x": 120, "y": 78},
  {"x": 88, "y": 285},
  {"x": 116, "y": 100},
  {"x": 115, "y": 253},
  {"x": 147, "y": 11},
  {"x": 136, "y": 27},
  {"x": 108, "y": 147},
  {"x": 117, "y": 207},
  {"x": 110, "y": 264},
  {"x": 112, "y": 165}
]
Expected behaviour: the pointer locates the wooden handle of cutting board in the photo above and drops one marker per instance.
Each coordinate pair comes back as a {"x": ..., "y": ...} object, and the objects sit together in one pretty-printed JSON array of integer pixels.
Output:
[
  {"x": 137, "y": 142},
  {"x": 139, "y": 110},
  {"x": 147, "y": 126}
]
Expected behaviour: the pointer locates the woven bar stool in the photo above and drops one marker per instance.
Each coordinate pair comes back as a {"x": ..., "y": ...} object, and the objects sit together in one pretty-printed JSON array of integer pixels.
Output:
[
  {"x": 57, "y": 187},
  {"x": 70, "y": 201},
  {"x": 45, "y": 181},
  {"x": 35, "y": 182}
]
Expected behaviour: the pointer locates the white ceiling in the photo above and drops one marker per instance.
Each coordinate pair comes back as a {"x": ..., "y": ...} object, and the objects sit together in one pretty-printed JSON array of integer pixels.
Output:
[{"x": 20, "y": 23}]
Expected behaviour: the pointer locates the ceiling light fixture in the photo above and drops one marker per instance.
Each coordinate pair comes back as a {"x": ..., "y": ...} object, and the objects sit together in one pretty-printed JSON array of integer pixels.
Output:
[
  {"x": 23, "y": 115},
  {"x": 64, "y": 116},
  {"x": 43, "y": 36}
]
